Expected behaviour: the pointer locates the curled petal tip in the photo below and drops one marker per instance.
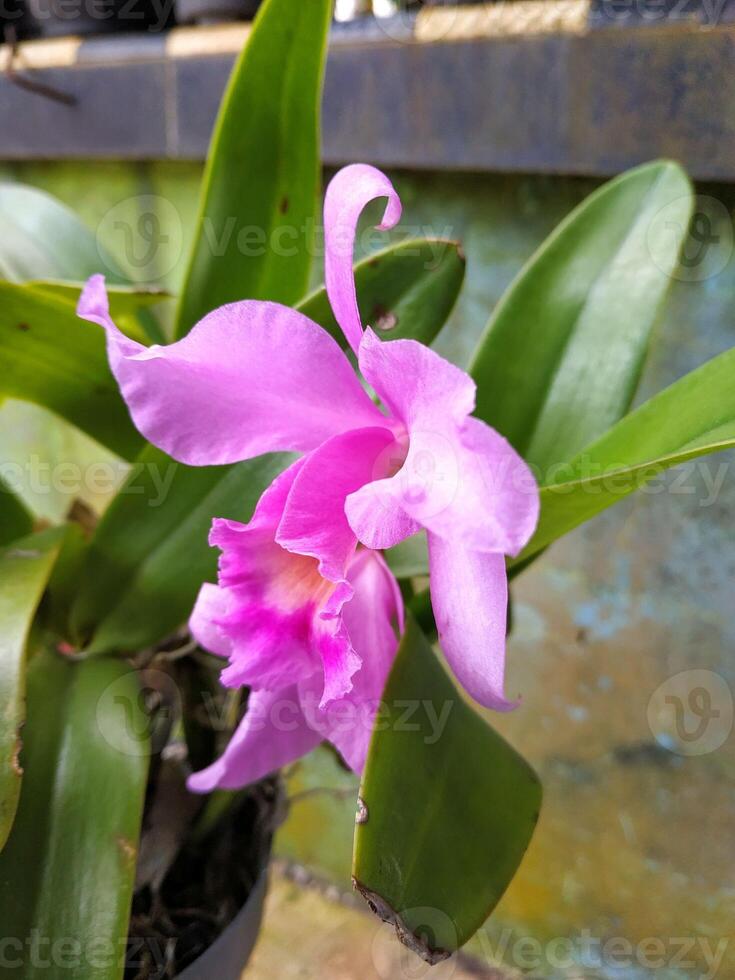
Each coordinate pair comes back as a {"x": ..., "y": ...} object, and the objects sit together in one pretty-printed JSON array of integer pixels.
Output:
[
  {"x": 350, "y": 190},
  {"x": 93, "y": 304}
]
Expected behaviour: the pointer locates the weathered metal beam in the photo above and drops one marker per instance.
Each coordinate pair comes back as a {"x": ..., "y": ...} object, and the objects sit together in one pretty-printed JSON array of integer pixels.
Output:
[{"x": 557, "y": 99}]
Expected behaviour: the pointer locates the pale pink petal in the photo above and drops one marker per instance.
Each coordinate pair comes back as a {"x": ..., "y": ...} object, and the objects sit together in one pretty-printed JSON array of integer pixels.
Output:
[
  {"x": 250, "y": 378},
  {"x": 374, "y": 620},
  {"x": 272, "y": 734},
  {"x": 348, "y": 193},
  {"x": 469, "y": 595},
  {"x": 461, "y": 479},
  {"x": 414, "y": 382},
  {"x": 314, "y": 521},
  {"x": 211, "y": 607}
]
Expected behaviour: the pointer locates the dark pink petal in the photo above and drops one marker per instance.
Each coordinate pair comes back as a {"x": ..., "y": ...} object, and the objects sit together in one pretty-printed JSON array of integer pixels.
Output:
[
  {"x": 348, "y": 193},
  {"x": 314, "y": 521},
  {"x": 461, "y": 479},
  {"x": 272, "y": 734},
  {"x": 282, "y": 617},
  {"x": 272, "y": 614},
  {"x": 250, "y": 378},
  {"x": 374, "y": 620},
  {"x": 469, "y": 594}
]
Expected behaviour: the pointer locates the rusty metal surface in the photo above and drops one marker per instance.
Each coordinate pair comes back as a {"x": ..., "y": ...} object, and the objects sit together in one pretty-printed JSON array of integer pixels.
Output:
[{"x": 566, "y": 102}]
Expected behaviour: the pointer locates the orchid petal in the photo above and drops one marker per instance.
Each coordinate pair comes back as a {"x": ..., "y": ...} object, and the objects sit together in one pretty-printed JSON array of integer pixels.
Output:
[
  {"x": 469, "y": 595},
  {"x": 273, "y": 614},
  {"x": 414, "y": 382},
  {"x": 371, "y": 618},
  {"x": 272, "y": 734},
  {"x": 314, "y": 521},
  {"x": 250, "y": 378},
  {"x": 347, "y": 195},
  {"x": 460, "y": 479}
]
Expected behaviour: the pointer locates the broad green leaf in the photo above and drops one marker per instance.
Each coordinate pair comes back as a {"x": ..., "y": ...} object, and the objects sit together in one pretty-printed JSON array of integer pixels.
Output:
[
  {"x": 692, "y": 417},
  {"x": 128, "y": 305},
  {"x": 51, "y": 357},
  {"x": 255, "y": 230},
  {"x": 67, "y": 872},
  {"x": 125, "y": 301},
  {"x": 25, "y": 567},
  {"x": 63, "y": 583},
  {"x": 150, "y": 553},
  {"x": 562, "y": 355},
  {"x": 407, "y": 290},
  {"x": 410, "y": 558},
  {"x": 15, "y": 520},
  {"x": 448, "y": 808},
  {"x": 43, "y": 239}
]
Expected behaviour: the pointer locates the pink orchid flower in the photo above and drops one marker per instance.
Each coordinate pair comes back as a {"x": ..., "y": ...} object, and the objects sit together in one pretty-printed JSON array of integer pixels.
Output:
[{"x": 305, "y": 609}]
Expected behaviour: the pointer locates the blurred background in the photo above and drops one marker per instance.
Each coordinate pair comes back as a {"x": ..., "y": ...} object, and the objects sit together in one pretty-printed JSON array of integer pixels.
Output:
[{"x": 495, "y": 120}]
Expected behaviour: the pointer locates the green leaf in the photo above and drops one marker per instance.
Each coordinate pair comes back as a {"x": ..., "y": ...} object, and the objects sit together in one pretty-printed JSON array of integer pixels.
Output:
[
  {"x": 43, "y": 239},
  {"x": 125, "y": 301},
  {"x": 44, "y": 242},
  {"x": 53, "y": 358},
  {"x": 448, "y": 812},
  {"x": 25, "y": 567},
  {"x": 135, "y": 588},
  {"x": 407, "y": 290},
  {"x": 255, "y": 230},
  {"x": 15, "y": 520},
  {"x": 67, "y": 872},
  {"x": 410, "y": 558},
  {"x": 63, "y": 583},
  {"x": 562, "y": 355},
  {"x": 693, "y": 417}
]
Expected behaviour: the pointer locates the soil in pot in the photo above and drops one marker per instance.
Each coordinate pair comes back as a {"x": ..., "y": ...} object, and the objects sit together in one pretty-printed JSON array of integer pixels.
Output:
[
  {"x": 181, "y": 908},
  {"x": 200, "y": 858}
]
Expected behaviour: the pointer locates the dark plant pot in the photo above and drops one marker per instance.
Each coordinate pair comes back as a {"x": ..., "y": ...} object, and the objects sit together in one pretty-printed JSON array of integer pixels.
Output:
[
  {"x": 215, "y": 11},
  {"x": 58, "y": 18},
  {"x": 227, "y": 957}
]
